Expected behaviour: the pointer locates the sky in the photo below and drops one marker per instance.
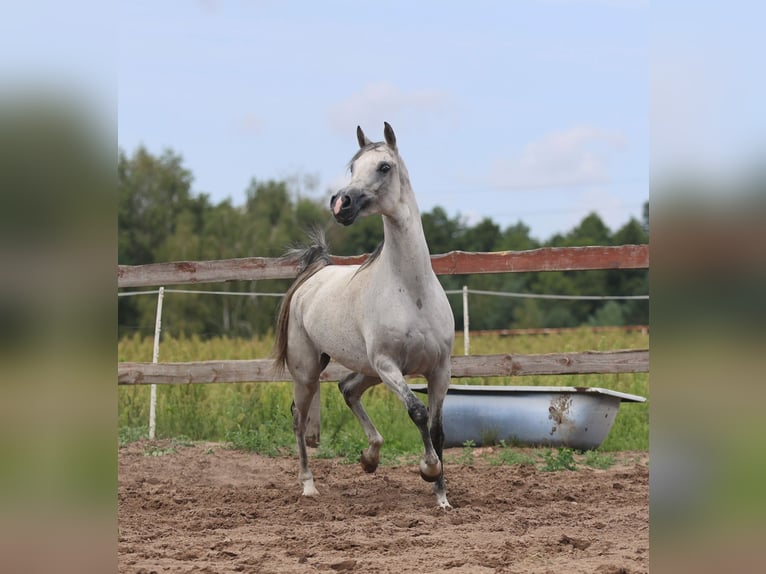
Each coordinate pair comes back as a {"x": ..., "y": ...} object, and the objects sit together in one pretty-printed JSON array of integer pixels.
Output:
[{"x": 532, "y": 111}]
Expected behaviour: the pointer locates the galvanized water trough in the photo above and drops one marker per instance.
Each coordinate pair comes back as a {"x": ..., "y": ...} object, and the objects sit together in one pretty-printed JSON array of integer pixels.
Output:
[{"x": 574, "y": 417}]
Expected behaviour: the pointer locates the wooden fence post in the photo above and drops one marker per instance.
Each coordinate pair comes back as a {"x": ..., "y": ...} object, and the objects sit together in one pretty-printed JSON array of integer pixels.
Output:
[
  {"x": 155, "y": 358},
  {"x": 466, "y": 335}
]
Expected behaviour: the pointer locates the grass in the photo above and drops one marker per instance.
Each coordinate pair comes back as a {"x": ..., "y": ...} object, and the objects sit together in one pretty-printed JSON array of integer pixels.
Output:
[
  {"x": 562, "y": 460},
  {"x": 153, "y": 449},
  {"x": 466, "y": 455},
  {"x": 128, "y": 434},
  {"x": 596, "y": 459},
  {"x": 544, "y": 459},
  {"x": 256, "y": 416}
]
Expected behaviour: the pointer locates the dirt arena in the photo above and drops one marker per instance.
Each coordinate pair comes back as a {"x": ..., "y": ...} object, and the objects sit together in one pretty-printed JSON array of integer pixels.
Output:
[{"x": 205, "y": 508}]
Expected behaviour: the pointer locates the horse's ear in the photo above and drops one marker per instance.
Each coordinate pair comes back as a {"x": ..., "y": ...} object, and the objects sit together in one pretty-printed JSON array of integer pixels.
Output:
[
  {"x": 389, "y": 134},
  {"x": 361, "y": 138}
]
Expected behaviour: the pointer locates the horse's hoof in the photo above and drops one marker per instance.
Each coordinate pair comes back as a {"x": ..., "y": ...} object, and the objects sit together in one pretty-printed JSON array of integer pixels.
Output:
[
  {"x": 430, "y": 473},
  {"x": 428, "y": 478},
  {"x": 310, "y": 490},
  {"x": 442, "y": 502},
  {"x": 368, "y": 465}
]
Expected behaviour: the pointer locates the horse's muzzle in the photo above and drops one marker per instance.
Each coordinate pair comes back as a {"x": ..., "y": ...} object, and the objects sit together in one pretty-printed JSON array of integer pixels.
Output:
[{"x": 346, "y": 205}]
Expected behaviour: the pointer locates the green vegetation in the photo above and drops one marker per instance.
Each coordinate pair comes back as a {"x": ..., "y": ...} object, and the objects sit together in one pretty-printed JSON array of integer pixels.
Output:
[
  {"x": 153, "y": 449},
  {"x": 596, "y": 459},
  {"x": 128, "y": 434},
  {"x": 509, "y": 456},
  {"x": 562, "y": 460},
  {"x": 544, "y": 459},
  {"x": 256, "y": 416},
  {"x": 466, "y": 455}
]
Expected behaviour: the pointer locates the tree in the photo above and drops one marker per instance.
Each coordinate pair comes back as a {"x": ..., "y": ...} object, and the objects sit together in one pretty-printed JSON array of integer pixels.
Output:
[
  {"x": 645, "y": 221},
  {"x": 484, "y": 236},
  {"x": 516, "y": 238},
  {"x": 363, "y": 236},
  {"x": 440, "y": 231},
  {"x": 632, "y": 233},
  {"x": 309, "y": 214},
  {"x": 591, "y": 231},
  {"x": 154, "y": 196},
  {"x": 152, "y": 192},
  {"x": 269, "y": 212},
  {"x": 631, "y": 281}
]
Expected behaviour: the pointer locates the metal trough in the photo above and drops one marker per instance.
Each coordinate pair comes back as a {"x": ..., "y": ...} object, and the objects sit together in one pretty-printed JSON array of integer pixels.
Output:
[{"x": 574, "y": 417}]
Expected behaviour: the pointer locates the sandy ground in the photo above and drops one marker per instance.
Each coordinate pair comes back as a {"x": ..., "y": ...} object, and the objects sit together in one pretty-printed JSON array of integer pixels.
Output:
[{"x": 205, "y": 508}]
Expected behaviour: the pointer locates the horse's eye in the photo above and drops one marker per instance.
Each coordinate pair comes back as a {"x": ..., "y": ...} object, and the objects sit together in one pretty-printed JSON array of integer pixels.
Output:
[{"x": 384, "y": 167}]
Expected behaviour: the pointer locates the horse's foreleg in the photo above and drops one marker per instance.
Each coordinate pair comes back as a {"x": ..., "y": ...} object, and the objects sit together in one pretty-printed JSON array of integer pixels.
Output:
[
  {"x": 438, "y": 383},
  {"x": 304, "y": 393},
  {"x": 353, "y": 387},
  {"x": 431, "y": 465},
  {"x": 391, "y": 375}
]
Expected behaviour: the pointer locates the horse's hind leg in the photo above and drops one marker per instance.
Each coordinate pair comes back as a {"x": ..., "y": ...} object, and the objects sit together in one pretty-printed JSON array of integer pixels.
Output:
[
  {"x": 304, "y": 391},
  {"x": 353, "y": 387}
]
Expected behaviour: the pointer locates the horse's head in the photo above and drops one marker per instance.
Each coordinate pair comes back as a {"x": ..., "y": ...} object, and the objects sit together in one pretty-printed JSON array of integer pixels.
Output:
[{"x": 375, "y": 184}]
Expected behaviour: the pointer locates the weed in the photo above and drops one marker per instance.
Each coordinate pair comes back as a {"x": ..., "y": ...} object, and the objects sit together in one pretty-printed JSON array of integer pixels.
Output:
[
  {"x": 156, "y": 450},
  {"x": 564, "y": 460},
  {"x": 268, "y": 439},
  {"x": 182, "y": 440},
  {"x": 489, "y": 437},
  {"x": 341, "y": 445},
  {"x": 506, "y": 456},
  {"x": 511, "y": 441},
  {"x": 596, "y": 459},
  {"x": 127, "y": 435},
  {"x": 466, "y": 455}
]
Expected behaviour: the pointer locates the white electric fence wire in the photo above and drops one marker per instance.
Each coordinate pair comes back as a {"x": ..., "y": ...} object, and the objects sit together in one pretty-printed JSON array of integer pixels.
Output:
[{"x": 448, "y": 292}]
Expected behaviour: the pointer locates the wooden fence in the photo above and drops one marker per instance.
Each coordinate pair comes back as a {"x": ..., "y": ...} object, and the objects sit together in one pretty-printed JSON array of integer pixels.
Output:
[{"x": 452, "y": 263}]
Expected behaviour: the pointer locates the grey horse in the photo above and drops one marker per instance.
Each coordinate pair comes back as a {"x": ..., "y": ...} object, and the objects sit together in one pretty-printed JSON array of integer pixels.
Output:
[{"x": 383, "y": 320}]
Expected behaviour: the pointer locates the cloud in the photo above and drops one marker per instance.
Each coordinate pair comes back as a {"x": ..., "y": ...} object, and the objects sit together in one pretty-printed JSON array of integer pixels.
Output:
[
  {"x": 577, "y": 156},
  {"x": 380, "y": 102},
  {"x": 209, "y": 6},
  {"x": 249, "y": 123}
]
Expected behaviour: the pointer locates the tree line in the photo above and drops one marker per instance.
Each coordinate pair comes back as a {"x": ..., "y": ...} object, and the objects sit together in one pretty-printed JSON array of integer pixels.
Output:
[{"x": 160, "y": 218}]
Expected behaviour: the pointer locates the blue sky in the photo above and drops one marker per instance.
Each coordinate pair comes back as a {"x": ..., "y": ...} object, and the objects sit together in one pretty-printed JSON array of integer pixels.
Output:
[{"x": 533, "y": 110}]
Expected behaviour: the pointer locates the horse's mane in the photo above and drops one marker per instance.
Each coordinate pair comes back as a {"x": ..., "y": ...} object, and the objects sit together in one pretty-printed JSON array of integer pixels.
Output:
[
  {"x": 310, "y": 259},
  {"x": 373, "y": 256}
]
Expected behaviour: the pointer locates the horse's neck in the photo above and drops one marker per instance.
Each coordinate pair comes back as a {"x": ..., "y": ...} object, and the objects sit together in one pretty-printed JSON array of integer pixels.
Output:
[{"x": 405, "y": 250}]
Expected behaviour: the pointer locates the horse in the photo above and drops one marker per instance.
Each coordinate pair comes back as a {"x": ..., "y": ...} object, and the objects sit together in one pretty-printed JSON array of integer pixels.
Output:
[{"x": 383, "y": 320}]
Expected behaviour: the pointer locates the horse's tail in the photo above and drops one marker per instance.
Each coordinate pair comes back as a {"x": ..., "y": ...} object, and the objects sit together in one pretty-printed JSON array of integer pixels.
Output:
[{"x": 310, "y": 259}]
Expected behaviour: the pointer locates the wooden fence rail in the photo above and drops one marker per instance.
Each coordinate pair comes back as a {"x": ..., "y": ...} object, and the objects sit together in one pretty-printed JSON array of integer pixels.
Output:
[
  {"x": 501, "y": 365},
  {"x": 452, "y": 263}
]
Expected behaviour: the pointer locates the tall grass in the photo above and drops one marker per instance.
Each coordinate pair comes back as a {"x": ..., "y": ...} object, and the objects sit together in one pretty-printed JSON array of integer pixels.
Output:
[{"x": 257, "y": 415}]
